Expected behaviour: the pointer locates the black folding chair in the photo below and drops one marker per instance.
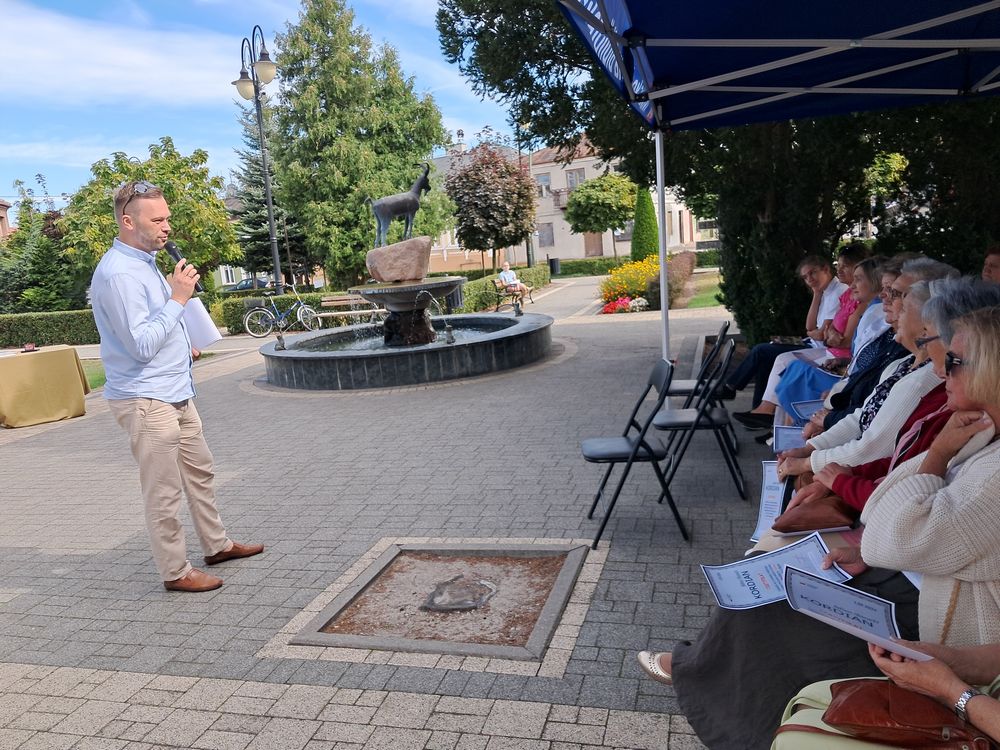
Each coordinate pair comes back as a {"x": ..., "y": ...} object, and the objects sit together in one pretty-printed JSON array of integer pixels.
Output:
[
  {"x": 634, "y": 446},
  {"x": 683, "y": 423},
  {"x": 691, "y": 388}
]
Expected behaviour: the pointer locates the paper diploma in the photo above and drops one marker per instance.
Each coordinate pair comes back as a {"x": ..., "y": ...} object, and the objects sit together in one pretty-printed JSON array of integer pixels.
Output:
[
  {"x": 805, "y": 409},
  {"x": 759, "y": 580},
  {"x": 200, "y": 328},
  {"x": 787, "y": 438},
  {"x": 866, "y": 616},
  {"x": 772, "y": 493}
]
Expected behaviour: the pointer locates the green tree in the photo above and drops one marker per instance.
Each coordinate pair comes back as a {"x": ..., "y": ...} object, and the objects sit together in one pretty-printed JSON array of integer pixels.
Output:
[
  {"x": 603, "y": 203},
  {"x": 437, "y": 209},
  {"x": 35, "y": 274},
  {"x": 494, "y": 199},
  {"x": 253, "y": 231},
  {"x": 199, "y": 222},
  {"x": 350, "y": 128},
  {"x": 645, "y": 233}
]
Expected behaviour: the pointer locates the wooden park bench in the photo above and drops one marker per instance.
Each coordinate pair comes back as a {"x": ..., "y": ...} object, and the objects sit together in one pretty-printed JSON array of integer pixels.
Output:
[
  {"x": 506, "y": 297},
  {"x": 349, "y": 306}
]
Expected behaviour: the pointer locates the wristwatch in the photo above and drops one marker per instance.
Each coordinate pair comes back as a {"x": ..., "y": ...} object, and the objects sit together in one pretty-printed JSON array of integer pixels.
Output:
[{"x": 963, "y": 701}]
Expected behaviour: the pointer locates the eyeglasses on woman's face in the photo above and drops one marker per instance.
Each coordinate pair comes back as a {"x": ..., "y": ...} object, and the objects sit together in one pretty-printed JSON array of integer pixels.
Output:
[
  {"x": 951, "y": 361},
  {"x": 894, "y": 294}
]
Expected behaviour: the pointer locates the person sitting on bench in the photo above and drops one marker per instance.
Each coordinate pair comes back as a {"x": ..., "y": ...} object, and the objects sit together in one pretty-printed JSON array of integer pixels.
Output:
[{"x": 509, "y": 279}]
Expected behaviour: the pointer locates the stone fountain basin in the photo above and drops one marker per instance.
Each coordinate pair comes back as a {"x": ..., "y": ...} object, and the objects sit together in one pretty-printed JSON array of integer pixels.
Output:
[
  {"x": 506, "y": 342},
  {"x": 404, "y": 296}
]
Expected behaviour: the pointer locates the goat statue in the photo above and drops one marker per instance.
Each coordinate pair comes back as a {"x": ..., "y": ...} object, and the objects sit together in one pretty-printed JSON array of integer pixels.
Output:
[{"x": 403, "y": 205}]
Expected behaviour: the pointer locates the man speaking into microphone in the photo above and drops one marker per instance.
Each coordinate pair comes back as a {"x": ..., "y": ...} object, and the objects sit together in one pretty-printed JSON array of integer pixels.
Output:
[{"x": 147, "y": 359}]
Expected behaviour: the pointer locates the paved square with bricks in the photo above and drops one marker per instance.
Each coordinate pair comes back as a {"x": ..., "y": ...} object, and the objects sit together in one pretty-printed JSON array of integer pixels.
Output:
[{"x": 94, "y": 653}]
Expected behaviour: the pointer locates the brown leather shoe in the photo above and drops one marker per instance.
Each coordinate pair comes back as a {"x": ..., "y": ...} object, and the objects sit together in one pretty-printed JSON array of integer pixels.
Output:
[
  {"x": 195, "y": 581},
  {"x": 236, "y": 551}
]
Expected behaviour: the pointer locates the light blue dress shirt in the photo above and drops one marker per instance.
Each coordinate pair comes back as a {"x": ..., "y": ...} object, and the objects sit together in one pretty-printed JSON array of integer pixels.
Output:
[{"x": 144, "y": 343}]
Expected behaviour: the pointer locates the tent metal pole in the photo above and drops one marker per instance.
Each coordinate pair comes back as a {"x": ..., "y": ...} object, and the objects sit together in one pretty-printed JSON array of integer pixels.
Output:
[{"x": 661, "y": 211}]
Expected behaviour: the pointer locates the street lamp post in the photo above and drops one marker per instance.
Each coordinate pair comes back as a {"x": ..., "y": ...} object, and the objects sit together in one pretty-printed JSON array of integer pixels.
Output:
[
  {"x": 529, "y": 250},
  {"x": 257, "y": 71}
]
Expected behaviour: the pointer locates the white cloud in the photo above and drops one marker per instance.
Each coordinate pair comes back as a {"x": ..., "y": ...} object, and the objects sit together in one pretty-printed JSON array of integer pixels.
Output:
[{"x": 64, "y": 61}]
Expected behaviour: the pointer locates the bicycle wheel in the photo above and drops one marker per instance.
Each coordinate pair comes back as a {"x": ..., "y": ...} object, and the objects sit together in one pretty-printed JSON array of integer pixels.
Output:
[
  {"x": 308, "y": 318},
  {"x": 258, "y": 322}
]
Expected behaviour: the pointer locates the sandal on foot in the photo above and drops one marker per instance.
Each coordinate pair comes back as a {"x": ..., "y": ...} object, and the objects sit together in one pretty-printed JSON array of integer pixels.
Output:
[{"x": 649, "y": 662}]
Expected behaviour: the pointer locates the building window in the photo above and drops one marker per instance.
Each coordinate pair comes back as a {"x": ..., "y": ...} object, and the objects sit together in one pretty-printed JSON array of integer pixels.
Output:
[
  {"x": 228, "y": 277},
  {"x": 574, "y": 177},
  {"x": 708, "y": 229},
  {"x": 625, "y": 233},
  {"x": 543, "y": 184},
  {"x": 545, "y": 236}
]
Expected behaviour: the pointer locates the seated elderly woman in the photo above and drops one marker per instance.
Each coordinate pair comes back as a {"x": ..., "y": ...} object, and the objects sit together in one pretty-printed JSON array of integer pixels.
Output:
[
  {"x": 951, "y": 678},
  {"x": 868, "y": 433},
  {"x": 827, "y": 290},
  {"x": 845, "y": 487},
  {"x": 935, "y": 515},
  {"x": 833, "y": 340},
  {"x": 804, "y": 381}
]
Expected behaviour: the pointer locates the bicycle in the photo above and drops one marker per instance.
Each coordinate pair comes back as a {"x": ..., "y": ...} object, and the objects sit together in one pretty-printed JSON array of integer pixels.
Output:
[{"x": 260, "y": 320}]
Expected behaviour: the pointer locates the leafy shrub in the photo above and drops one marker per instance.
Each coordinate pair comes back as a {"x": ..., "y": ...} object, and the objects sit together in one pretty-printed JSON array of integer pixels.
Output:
[
  {"x": 69, "y": 327},
  {"x": 680, "y": 268},
  {"x": 709, "y": 258}
]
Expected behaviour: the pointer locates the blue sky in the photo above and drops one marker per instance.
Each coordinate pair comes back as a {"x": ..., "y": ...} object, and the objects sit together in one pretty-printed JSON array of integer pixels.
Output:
[{"x": 80, "y": 79}]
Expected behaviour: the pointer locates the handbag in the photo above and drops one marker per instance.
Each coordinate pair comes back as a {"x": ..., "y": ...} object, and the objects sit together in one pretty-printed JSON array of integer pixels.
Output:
[
  {"x": 823, "y": 513},
  {"x": 880, "y": 711}
]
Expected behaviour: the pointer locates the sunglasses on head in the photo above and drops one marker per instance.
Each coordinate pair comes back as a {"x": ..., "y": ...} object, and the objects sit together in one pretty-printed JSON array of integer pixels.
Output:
[
  {"x": 951, "y": 361},
  {"x": 138, "y": 188}
]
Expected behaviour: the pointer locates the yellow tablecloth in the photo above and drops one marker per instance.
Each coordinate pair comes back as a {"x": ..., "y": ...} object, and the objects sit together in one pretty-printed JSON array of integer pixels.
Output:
[{"x": 42, "y": 386}]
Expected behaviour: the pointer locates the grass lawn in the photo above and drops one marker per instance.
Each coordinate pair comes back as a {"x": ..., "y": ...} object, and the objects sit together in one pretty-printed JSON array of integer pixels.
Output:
[
  {"x": 94, "y": 370},
  {"x": 706, "y": 287}
]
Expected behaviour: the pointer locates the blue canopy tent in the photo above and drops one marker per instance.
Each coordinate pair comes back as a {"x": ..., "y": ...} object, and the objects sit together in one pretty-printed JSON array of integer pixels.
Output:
[{"x": 686, "y": 66}]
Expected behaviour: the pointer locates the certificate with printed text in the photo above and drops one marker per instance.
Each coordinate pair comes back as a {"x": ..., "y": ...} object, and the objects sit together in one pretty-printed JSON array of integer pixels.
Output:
[
  {"x": 787, "y": 438},
  {"x": 864, "y": 615},
  {"x": 772, "y": 492},
  {"x": 805, "y": 409},
  {"x": 759, "y": 580}
]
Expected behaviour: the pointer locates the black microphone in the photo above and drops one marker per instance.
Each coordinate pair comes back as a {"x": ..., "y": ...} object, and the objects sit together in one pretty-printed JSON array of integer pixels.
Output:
[{"x": 175, "y": 253}]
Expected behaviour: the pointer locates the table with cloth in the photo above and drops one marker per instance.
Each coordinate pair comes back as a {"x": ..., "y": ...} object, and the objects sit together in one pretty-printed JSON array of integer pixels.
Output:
[{"x": 41, "y": 386}]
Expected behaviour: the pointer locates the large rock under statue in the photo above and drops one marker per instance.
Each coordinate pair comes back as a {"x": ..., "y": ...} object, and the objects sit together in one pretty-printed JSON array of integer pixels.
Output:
[{"x": 402, "y": 261}]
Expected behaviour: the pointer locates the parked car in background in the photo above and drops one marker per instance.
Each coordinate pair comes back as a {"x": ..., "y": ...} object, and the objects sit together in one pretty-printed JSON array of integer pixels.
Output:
[{"x": 250, "y": 283}]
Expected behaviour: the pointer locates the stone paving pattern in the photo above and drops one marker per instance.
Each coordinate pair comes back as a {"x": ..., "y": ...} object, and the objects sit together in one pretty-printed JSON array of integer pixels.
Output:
[{"x": 94, "y": 653}]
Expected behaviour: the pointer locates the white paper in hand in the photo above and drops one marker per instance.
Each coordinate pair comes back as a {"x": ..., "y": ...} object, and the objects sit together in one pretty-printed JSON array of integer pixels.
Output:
[{"x": 200, "y": 328}]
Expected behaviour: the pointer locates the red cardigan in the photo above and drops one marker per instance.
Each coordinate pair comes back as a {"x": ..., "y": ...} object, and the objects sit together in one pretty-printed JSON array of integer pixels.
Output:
[{"x": 855, "y": 488}]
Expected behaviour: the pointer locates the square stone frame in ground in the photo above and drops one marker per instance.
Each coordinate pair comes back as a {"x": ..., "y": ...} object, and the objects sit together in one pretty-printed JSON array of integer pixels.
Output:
[{"x": 533, "y": 650}]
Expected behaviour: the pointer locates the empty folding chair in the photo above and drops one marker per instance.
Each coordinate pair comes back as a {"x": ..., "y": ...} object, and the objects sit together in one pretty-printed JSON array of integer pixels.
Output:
[
  {"x": 635, "y": 445},
  {"x": 690, "y": 388},
  {"x": 683, "y": 423}
]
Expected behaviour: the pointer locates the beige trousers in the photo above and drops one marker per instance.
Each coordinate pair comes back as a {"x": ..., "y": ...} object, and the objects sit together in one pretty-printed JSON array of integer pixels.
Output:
[{"x": 168, "y": 444}]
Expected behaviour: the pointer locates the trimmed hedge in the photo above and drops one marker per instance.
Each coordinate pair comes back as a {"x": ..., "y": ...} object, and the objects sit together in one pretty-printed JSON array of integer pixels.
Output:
[
  {"x": 69, "y": 327},
  {"x": 709, "y": 258},
  {"x": 590, "y": 266}
]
